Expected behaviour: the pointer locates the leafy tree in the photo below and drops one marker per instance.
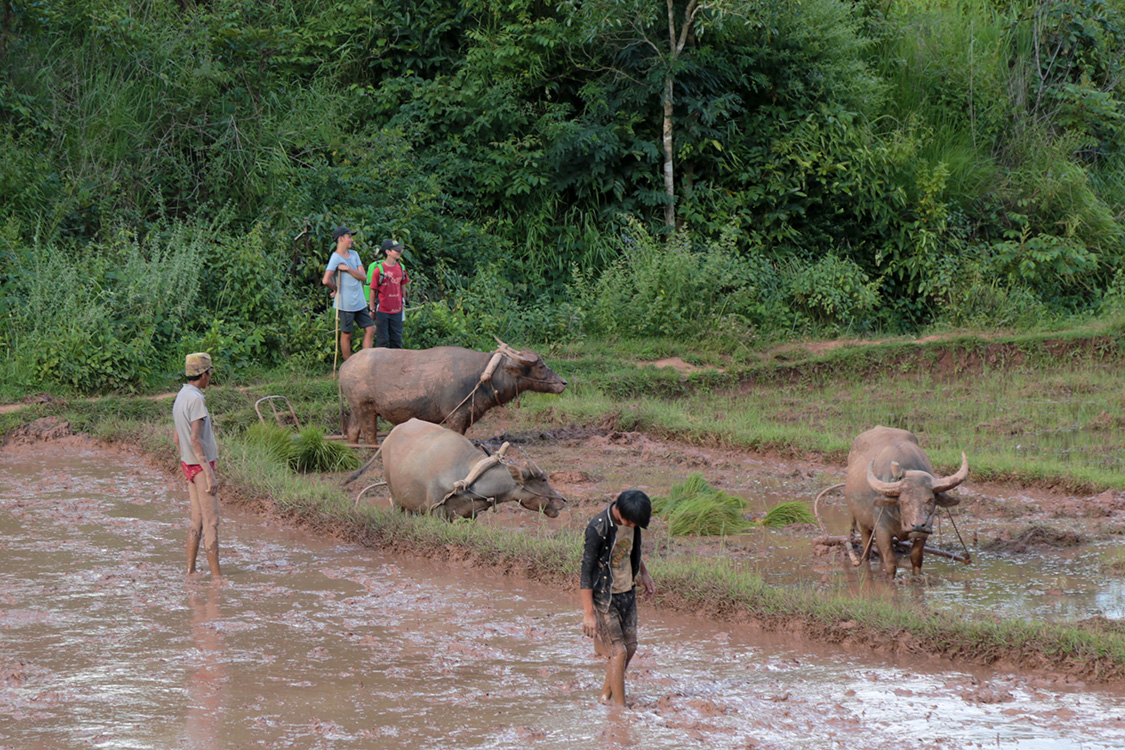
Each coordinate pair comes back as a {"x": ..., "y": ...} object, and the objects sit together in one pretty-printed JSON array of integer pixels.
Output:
[{"x": 649, "y": 45}]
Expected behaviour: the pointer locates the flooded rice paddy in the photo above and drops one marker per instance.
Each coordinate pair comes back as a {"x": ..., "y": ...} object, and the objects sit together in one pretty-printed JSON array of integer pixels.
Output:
[
  {"x": 1061, "y": 582},
  {"x": 311, "y": 644}
]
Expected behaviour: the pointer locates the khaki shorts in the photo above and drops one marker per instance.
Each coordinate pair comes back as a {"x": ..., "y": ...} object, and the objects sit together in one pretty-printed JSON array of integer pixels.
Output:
[{"x": 617, "y": 628}]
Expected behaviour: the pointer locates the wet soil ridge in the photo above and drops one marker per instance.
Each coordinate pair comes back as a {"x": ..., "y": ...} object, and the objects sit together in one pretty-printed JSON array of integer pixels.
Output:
[{"x": 946, "y": 359}]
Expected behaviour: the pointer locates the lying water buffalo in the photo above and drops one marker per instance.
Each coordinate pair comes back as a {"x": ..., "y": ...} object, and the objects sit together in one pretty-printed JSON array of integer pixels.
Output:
[
  {"x": 424, "y": 464},
  {"x": 437, "y": 384},
  {"x": 891, "y": 490}
]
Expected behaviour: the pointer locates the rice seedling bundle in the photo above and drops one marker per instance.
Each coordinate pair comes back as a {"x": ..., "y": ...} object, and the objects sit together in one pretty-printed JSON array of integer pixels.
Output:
[
  {"x": 786, "y": 514},
  {"x": 314, "y": 453},
  {"x": 694, "y": 507},
  {"x": 274, "y": 440}
]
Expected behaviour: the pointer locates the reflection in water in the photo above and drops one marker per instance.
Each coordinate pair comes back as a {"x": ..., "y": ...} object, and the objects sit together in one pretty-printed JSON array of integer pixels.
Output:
[
  {"x": 206, "y": 690},
  {"x": 318, "y": 645}
]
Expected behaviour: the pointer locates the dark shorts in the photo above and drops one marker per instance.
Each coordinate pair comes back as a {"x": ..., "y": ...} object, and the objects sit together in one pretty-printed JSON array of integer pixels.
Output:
[
  {"x": 617, "y": 628},
  {"x": 349, "y": 320}
]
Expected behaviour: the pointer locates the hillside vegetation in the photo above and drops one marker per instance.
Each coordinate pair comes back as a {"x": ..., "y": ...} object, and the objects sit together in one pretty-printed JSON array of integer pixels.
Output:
[{"x": 737, "y": 173}]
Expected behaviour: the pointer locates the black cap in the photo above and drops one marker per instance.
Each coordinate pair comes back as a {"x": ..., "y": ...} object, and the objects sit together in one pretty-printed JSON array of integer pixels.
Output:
[
  {"x": 341, "y": 231},
  {"x": 390, "y": 245}
]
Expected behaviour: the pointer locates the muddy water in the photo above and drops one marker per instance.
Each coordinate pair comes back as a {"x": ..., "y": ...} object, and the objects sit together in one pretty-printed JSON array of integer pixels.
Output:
[{"x": 103, "y": 643}]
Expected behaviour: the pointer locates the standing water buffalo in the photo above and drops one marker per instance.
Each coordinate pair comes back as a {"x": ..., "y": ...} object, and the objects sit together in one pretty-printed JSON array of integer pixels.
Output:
[
  {"x": 437, "y": 385},
  {"x": 891, "y": 490},
  {"x": 423, "y": 464}
]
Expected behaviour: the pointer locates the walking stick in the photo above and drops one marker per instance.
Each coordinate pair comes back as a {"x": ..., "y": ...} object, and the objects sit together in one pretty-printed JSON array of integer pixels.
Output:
[{"x": 336, "y": 333}]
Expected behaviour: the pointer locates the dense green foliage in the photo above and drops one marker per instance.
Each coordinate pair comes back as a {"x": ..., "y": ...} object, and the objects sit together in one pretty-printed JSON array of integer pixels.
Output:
[{"x": 170, "y": 172}]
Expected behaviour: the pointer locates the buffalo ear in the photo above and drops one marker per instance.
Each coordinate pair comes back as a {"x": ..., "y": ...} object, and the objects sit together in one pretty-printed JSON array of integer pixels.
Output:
[
  {"x": 896, "y": 471},
  {"x": 946, "y": 501},
  {"x": 516, "y": 472}
]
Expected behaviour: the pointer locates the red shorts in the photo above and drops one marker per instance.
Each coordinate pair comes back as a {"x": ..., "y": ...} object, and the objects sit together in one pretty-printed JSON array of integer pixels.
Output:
[{"x": 190, "y": 470}]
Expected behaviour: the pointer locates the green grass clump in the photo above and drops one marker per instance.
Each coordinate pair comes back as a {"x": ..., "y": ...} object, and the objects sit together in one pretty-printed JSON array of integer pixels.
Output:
[
  {"x": 316, "y": 454},
  {"x": 276, "y": 441},
  {"x": 787, "y": 514},
  {"x": 695, "y": 508}
]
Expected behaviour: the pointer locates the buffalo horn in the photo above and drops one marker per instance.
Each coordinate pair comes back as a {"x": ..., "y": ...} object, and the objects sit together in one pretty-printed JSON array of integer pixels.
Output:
[
  {"x": 512, "y": 354},
  {"x": 944, "y": 484},
  {"x": 890, "y": 489}
]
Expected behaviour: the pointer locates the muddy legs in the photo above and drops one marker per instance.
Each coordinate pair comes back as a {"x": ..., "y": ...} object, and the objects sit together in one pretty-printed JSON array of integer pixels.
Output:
[
  {"x": 613, "y": 689},
  {"x": 192, "y": 549},
  {"x": 213, "y": 560},
  {"x": 205, "y": 525}
]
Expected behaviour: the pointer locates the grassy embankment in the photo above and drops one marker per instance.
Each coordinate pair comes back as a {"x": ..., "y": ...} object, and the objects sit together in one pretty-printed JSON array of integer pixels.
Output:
[{"x": 1032, "y": 408}]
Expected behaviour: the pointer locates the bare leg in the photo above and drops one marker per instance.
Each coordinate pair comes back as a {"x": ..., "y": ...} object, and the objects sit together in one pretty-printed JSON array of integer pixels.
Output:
[
  {"x": 213, "y": 561},
  {"x": 192, "y": 549},
  {"x": 209, "y": 513},
  {"x": 615, "y": 679},
  {"x": 195, "y": 529},
  {"x": 345, "y": 346},
  {"x": 612, "y": 687},
  {"x": 369, "y": 337}
]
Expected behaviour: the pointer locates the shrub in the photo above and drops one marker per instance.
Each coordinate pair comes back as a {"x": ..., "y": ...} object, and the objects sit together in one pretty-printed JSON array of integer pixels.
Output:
[
  {"x": 126, "y": 303},
  {"x": 676, "y": 289},
  {"x": 832, "y": 291}
]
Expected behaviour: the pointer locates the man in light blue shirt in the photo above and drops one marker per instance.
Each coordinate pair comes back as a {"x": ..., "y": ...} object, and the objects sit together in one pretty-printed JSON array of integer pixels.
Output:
[{"x": 345, "y": 276}]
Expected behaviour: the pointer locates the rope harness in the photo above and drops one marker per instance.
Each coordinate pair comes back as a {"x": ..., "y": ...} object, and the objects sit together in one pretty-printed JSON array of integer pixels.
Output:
[
  {"x": 475, "y": 473},
  {"x": 485, "y": 377},
  {"x": 503, "y": 350}
]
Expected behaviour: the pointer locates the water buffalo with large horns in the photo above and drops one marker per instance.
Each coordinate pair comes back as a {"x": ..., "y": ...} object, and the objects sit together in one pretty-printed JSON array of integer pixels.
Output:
[
  {"x": 430, "y": 469},
  {"x": 892, "y": 491},
  {"x": 445, "y": 385}
]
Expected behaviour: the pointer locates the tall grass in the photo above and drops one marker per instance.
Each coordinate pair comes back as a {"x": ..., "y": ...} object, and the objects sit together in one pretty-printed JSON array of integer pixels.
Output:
[{"x": 1047, "y": 419}]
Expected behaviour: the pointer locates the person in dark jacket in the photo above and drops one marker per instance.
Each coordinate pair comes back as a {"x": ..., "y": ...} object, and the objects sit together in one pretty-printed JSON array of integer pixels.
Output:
[{"x": 611, "y": 568}]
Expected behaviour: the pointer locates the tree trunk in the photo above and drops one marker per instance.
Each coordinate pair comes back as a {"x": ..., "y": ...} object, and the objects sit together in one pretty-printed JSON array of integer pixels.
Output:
[{"x": 669, "y": 168}]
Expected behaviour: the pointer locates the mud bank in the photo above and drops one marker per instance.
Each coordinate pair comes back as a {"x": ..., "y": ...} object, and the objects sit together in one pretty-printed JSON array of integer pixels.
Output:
[{"x": 104, "y": 643}]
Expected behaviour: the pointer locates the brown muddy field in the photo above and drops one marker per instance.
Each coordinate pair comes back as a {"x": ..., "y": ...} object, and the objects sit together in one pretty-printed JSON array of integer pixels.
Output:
[
  {"x": 1035, "y": 552},
  {"x": 316, "y": 644}
]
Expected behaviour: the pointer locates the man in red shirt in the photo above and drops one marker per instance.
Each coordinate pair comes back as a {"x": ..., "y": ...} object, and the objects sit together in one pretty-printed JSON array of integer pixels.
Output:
[{"x": 387, "y": 283}]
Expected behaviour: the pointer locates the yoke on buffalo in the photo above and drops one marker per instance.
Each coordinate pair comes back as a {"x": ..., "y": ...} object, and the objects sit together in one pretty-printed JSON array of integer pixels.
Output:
[
  {"x": 430, "y": 469},
  {"x": 892, "y": 492}
]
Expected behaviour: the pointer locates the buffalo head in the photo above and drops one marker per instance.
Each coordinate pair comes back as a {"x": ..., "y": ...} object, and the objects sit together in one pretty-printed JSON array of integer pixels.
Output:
[
  {"x": 530, "y": 371},
  {"x": 534, "y": 492},
  {"x": 916, "y": 494}
]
